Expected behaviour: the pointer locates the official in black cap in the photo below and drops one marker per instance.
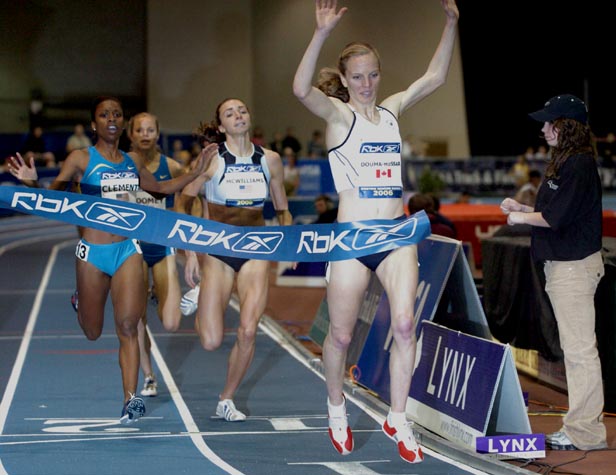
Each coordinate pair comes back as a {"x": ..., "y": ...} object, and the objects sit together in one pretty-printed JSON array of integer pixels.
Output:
[
  {"x": 566, "y": 236},
  {"x": 565, "y": 106}
]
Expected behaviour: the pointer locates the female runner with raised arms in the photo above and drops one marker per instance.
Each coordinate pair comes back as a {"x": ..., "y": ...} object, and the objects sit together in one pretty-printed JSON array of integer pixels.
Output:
[{"x": 363, "y": 140}]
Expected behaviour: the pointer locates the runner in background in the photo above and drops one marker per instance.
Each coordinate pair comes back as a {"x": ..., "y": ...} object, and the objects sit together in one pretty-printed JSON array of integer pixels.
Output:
[
  {"x": 236, "y": 184},
  {"x": 143, "y": 132}
]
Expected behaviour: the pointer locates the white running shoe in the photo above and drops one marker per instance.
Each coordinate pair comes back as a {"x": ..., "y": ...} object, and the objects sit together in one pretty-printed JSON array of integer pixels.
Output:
[
  {"x": 339, "y": 431},
  {"x": 189, "y": 302},
  {"x": 226, "y": 410},
  {"x": 559, "y": 441},
  {"x": 402, "y": 435},
  {"x": 150, "y": 387}
]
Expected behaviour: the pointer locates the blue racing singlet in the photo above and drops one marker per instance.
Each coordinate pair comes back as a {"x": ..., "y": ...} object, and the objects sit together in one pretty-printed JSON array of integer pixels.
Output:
[{"x": 103, "y": 178}]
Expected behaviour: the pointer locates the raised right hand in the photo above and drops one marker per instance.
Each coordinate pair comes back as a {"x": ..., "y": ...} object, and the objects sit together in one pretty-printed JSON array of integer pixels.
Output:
[
  {"x": 204, "y": 159},
  {"x": 326, "y": 15},
  {"x": 21, "y": 170}
]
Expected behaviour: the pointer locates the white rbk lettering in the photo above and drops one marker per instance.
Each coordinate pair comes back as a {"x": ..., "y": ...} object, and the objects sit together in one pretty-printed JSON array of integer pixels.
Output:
[
  {"x": 313, "y": 243},
  {"x": 194, "y": 234},
  {"x": 38, "y": 202}
]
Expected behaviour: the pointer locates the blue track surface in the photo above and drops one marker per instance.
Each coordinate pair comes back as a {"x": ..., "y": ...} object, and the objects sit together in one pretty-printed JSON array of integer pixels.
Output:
[{"x": 62, "y": 393}]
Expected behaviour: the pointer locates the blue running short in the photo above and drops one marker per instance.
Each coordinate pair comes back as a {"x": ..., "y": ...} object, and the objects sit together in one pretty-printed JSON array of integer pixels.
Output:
[{"x": 107, "y": 257}]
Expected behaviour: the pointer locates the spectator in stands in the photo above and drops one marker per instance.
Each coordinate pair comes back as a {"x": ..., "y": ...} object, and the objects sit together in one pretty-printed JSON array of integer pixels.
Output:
[
  {"x": 35, "y": 147},
  {"x": 276, "y": 144},
  {"x": 78, "y": 139},
  {"x": 464, "y": 197},
  {"x": 541, "y": 153},
  {"x": 527, "y": 194},
  {"x": 566, "y": 237},
  {"x": 316, "y": 146},
  {"x": 291, "y": 172},
  {"x": 325, "y": 209},
  {"x": 179, "y": 154},
  {"x": 258, "y": 136},
  {"x": 441, "y": 218},
  {"x": 421, "y": 201},
  {"x": 290, "y": 140},
  {"x": 520, "y": 169}
]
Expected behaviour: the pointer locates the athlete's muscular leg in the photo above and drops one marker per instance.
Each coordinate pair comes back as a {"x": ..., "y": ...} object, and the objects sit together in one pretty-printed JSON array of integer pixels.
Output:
[
  {"x": 399, "y": 274},
  {"x": 168, "y": 292},
  {"x": 216, "y": 286},
  {"x": 252, "y": 286},
  {"x": 93, "y": 288},
  {"x": 128, "y": 295},
  {"x": 347, "y": 283},
  {"x": 142, "y": 334}
]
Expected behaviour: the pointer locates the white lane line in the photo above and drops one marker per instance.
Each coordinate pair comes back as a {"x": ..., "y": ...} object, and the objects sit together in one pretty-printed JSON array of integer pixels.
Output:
[
  {"x": 36, "y": 239},
  {"x": 191, "y": 427},
  {"x": 159, "y": 435},
  {"x": 11, "y": 385}
]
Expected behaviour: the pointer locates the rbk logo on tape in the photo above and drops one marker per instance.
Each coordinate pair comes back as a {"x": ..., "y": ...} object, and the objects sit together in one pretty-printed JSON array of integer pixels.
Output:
[
  {"x": 117, "y": 216},
  {"x": 376, "y": 235},
  {"x": 519, "y": 446},
  {"x": 305, "y": 243},
  {"x": 262, "y": 243}
]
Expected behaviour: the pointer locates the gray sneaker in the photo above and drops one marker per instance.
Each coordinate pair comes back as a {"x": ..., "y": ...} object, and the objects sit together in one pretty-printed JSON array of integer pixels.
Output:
[{"x": 559, "y": 441}]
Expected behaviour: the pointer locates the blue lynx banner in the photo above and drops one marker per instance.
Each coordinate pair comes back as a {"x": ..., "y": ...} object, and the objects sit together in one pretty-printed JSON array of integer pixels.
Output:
[{"x": 307, "y": 243}]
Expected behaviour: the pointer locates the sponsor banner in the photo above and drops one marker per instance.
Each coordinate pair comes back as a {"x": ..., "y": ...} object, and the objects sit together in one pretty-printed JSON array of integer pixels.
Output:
[
  {"x": 443, "y": 424},
  {"x": 457, "y": 375},
  {"x": 307, "y": 243},
  {"x": 436, "y": 258},
  {"x": 518, "y": 446}
]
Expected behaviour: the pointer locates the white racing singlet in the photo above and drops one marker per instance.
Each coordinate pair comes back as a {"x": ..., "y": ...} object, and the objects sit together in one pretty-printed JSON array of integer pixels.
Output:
[
  {"x": 239, "y": 181},
  {"x": 369, "y": 159}
]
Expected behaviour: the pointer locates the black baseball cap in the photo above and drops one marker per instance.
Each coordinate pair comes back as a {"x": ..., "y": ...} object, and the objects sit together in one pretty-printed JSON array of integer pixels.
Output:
[{"x": 565, "y": 106}]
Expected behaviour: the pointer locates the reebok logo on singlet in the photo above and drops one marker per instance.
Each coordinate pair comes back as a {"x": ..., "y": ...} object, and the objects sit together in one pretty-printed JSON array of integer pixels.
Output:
[{"x": 380, "y": 147}]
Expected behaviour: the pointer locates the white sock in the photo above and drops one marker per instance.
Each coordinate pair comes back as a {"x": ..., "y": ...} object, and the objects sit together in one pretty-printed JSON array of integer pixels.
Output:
[
  {"x": 396, "y": 418},
  {"x": 336, "y": 411}
]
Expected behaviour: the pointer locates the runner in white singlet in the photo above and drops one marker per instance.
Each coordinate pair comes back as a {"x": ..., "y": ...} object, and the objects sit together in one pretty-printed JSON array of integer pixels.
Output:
[
  {"x": 237, "y": 183},
  {"x": 364, "y": 155}
]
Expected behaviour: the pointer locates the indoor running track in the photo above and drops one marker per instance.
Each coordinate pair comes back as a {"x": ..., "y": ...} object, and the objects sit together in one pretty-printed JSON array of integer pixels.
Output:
[{"x": 62, "y": 393}]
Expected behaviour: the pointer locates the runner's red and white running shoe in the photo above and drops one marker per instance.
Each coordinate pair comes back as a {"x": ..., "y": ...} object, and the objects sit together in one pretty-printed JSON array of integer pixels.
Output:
[
  {"x": 402, "y": 435},
  {"x": 339, "y": 430}
]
